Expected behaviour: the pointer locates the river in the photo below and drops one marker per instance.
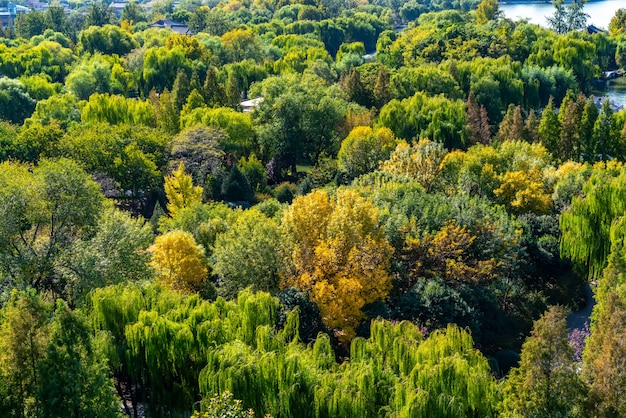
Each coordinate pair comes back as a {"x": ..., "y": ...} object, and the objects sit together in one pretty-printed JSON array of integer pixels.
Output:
[{"x": 600, "y": 12}]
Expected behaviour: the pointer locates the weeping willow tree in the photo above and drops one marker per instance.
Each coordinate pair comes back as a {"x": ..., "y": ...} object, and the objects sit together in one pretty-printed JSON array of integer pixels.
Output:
[
  {"x": 159, "y": 340},
  {"x": 586, "y": 225},
  {"x": 171, "y": 351}
]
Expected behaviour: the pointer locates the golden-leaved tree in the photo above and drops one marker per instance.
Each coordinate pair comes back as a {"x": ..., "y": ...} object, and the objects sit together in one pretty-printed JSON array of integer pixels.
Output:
[
  {"x": 180, "y": 190},
  {"x": 179, "y": 261},
  {"x": 338, "y": 254}
]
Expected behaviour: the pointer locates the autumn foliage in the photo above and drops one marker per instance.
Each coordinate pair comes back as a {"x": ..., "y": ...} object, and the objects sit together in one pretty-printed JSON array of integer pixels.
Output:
[{"x": 338, "y": 254}]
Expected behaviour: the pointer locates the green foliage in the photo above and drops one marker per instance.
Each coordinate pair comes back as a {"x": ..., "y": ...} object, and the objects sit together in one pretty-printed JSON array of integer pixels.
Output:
[
  {"x": 117, "y": 110},
  {"x": 586, "y": 225},
  {"x": 51, "y": 364},
  {"x": 43, "y": 211},
  {"x": 74, "y": 380},
  {"x": 546, "y": 384},
  {"x": 363, "y": 149},
  {"x": 64, "y": 109},
  {"x": 223, "y": 406},
  {"x": 435, "y": 118},
  {"x": 107, "y": 39},
  {"x": 15, "y": 102},
  {"x": 237, "y": 125},
  {"x": 236, "y": 187},
  {"x": 274, "y": 374},
  {"x": 297, "y": 119},
  {"x": 116, "y": 253},
  {"x": 247, "y": 254}
]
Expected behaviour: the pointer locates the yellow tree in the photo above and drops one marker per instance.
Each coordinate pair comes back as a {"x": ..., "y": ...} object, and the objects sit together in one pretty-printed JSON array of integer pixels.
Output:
[
  {"x": 179, "y": 261},
  {"x": 420, "y": 161},
  {"x": 338, "y": 254},
  {"x": 180, "y": 190}
]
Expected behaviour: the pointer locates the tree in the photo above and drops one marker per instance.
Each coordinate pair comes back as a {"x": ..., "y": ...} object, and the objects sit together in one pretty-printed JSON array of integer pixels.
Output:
[
  {"x": 512, "y": 126},
  {"x": 381, "y": 88},
  {"x": 477, "y": 122},
  {"x": 213, "y": 93},
  {"x": 235, "y": 187},
  {"x": 618, "y": 22},
  {"x": 166, "y": 113},
  {"x": 603, "y": 133},
  {"x": 180, "y": 191},
  {"x": 297, "y": 119},
  {"x": 200, "y": 149},
  {"x": 549, "y": 130},
  {"x": 42, "y": 212},
  {"x": 421, "y": 161},
  {"x": 181, "y": 89},
  {"x": 604, "y": 355},
  {"x": 247, "y": 255},
  {"x": 224, "y": 405},
  {"x": 116, "y": 253},
  {"x": 24, "y": 336},
  {"x": 338, "y": 254},
  {"x": 355, "y": 89},
  {"x": 568, "y": 18},
  {"x": 546, "y": 383},
  {"x": 108, "y": 39},
  {"x": 254, "y": 171},
  {"x": 487, "y": 10},
  {"x": 422, "y": 116},
  {"x": 363, "y": 149},
  {"x": 588, "y": 147},
  {"x": 15, "y": 102},
  {"x": 99, "y": 14},
  {"x": 74, "y": 379},
  {"x": 179, "y": 261},
  {"x": 133, "y": 12},
  {"x": 569, "y": 116},
  {"x": 586, "y": 224}
]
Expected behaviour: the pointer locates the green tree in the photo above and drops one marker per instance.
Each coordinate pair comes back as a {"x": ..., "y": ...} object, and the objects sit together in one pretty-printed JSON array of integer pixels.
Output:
[
  {"x": 116, "y": 253},
  {"x": 604, "y": 134},
  {"x": 586, "y": 224},
  {"x": 42, "y": 212},
  {"x": 74, "y": 379},
  {"x": 550, "y": 128},
  {"x": 363, "y": 150},
  {"x": 487, "y": 10},
  {"x": 99, "y": 14},
  {"x": 15, "y": 102},
  {"x": 546, "y": 383},
  {"x": 236, "y": 187},
  {"x": 24, "y": 336},
  {"x": 247, "y": 255}
]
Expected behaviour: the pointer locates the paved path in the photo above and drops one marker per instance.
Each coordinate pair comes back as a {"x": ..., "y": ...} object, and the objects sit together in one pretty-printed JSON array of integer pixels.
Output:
[{"x": 576, "y": 320}]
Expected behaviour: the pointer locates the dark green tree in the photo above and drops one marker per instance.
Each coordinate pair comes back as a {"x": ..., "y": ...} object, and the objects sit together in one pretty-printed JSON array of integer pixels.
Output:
[{"x": 74, "y": 379}]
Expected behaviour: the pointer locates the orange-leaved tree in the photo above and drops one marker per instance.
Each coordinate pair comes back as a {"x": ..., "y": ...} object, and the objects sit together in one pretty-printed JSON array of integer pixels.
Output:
[{"x": 339, "y": 255}]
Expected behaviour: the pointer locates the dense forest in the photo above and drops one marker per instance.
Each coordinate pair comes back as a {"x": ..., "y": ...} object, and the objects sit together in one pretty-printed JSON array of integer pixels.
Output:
[{"x": 310, "y": 208}]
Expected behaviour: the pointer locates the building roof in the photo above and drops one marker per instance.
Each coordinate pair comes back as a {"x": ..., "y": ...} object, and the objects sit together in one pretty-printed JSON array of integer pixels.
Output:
[
  {"x": 250, "y": 105},
  {"x": 177, "y": 27}
]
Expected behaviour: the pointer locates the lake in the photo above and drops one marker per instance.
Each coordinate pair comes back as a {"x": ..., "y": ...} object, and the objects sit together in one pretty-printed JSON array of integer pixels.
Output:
[{"x": 600, "y": 12}]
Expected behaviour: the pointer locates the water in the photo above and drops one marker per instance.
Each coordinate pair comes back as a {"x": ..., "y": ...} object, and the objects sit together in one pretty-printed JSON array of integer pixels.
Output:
[
  {"x": 600, "y": 12},
  {"x": 615, "y": 89}
]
